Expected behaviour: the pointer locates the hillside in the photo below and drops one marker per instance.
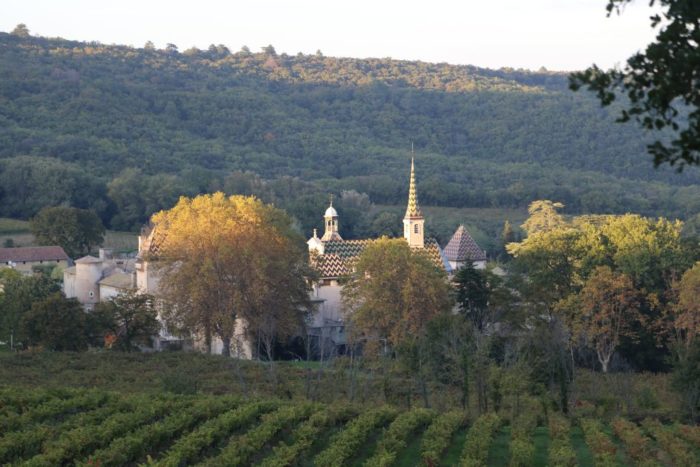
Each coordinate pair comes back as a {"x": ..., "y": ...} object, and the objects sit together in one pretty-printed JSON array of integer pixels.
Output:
[{"x": 125, "y": 131}]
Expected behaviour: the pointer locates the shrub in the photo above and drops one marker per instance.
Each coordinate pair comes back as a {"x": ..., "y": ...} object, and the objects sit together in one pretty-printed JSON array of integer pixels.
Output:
[
  {"x": 438, "y": 435},
  {"x": 476, "y": 447},
  {"x": 394, "y": 439},
  {"x": 355, "y": 434}
]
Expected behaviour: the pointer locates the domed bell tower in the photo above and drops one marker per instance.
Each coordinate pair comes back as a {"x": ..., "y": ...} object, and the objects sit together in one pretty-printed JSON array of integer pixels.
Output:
[{"x": 331, "y": 221}]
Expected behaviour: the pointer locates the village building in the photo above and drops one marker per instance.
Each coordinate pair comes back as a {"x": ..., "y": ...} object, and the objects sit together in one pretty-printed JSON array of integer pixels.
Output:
[
  {"x": 95, "y": 279},
  {"x": 26, "y": 259}
]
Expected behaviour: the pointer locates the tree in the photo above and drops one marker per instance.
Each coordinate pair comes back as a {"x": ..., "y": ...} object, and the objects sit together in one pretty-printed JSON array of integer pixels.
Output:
[
  {"x": 20, "y": 30},
  {"x": 660, "y": 84},
  {"x": 473, "y": 293},
  {"x": 17, "y": 294},
  {"x": 609, "y": 305},
  {"x": 57, "y": 323},
  {"x": 394, "y": 292},
  {"x": 77, "y": 231},
  {"x": 451, "y": 342},
  {"x": 231, "y": 262},
  {"x": 543, "y": 217},
  {"x": 130, "y": 319}
]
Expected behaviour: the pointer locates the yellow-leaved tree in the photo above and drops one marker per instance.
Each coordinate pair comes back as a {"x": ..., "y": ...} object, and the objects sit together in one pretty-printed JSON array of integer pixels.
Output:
[{"x": 232, "y": 263}]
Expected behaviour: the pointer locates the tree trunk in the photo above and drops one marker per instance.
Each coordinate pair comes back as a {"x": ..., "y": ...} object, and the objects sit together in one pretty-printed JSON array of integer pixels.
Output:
[{"x": 604, "y": 361}]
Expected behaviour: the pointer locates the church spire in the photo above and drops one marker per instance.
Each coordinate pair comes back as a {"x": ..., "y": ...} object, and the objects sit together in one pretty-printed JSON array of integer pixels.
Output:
[
  {"x": 413, "y": 210},
  {"x": 413, "y": 221}
]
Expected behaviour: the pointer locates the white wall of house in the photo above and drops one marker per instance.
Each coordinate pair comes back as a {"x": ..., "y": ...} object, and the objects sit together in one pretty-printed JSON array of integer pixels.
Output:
[
  {"x": 86, "y": 288},
  {"x": 107, "y": 292},
  {"x": 331, "y": 307}
]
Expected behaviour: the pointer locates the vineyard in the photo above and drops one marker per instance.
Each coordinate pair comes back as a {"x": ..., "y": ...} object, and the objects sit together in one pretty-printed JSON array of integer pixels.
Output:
[{"x": 99, "y": 428}]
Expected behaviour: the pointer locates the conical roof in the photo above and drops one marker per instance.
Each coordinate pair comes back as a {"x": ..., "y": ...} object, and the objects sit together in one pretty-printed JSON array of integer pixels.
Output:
[
  {"x": 413, "y": 210},
  {"x": 462, "y": 247}
]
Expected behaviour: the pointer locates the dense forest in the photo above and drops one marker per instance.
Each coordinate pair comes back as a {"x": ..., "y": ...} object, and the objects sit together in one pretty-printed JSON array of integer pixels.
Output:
[{"x": 125, "y": 131}]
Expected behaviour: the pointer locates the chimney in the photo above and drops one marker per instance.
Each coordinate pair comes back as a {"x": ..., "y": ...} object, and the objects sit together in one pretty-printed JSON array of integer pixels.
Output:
[{"x": 105, "y": 253}]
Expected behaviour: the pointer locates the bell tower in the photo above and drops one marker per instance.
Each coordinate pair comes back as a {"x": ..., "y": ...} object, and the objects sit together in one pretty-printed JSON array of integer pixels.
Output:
[
  {"x": 413, "y": 221},
  {"x": 331, "y": 222}
]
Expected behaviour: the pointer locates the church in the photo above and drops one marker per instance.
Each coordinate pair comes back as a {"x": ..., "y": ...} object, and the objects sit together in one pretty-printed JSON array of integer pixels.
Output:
[
  {"x": 333, "y": 258},
  {"x": 97, "y": 279}
]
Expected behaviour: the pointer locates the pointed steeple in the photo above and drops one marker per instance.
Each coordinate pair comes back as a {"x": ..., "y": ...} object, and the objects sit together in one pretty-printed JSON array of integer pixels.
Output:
[
  {"x": 413, "y": 222},
  {"x": 413, "y": 210}
]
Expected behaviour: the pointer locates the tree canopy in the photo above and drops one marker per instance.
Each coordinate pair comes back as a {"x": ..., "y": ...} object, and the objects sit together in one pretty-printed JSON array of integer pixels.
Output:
[
  {"x": 231, "y": 266},
  {"x": 659, "y": 86},
  {"x": 394, "y": 292},
  {"x": 92, "y": 126},
  {"x": 77, "y": 231}
]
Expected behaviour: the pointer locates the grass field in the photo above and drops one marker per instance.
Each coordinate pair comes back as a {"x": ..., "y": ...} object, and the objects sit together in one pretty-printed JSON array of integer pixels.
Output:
[{"x": 18, "y": 231}]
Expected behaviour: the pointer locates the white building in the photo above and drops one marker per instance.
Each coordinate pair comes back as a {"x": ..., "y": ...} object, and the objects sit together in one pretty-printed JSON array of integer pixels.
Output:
[{"x": 93, "y": 279}]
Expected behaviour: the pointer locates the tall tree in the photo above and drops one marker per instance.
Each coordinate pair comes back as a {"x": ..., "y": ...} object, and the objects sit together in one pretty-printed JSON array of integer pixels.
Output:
[
  {"x": 660, "y": 85},
  {"x": 543, "y": 217},
  {"x": 686, "y": 309},
  {"x": 394, "y": 292},
  {"x": 228, "y": 261},
  {"x": 77, "y": 231},
  {"x": 609, "y": 306},
  {"x": 17, "y": 294},
  {"x": 473, "y": 292}
]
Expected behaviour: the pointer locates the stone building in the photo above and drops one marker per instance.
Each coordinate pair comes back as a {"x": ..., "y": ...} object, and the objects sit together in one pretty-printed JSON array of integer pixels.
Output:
[
  {"x": 25, "y": 259},
  {"x": 94, "y": 279}
]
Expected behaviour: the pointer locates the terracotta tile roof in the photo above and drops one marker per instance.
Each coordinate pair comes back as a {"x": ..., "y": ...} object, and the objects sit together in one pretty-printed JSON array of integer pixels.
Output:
[
  {"x": 338, "y": 256},
  {"x": 462, "y": 247},
  {"x": 118, "y": 280},
  {"x": 152, "y": 243},
  {"x": 34, "y": 253}
]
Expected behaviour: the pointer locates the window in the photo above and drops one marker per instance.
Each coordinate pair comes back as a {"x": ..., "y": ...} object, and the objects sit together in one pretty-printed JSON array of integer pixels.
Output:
[{"x": 416, "y": 229}]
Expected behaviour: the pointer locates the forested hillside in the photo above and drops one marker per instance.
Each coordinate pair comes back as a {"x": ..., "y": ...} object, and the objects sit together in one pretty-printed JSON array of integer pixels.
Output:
[{"x": 126, "y": 130}]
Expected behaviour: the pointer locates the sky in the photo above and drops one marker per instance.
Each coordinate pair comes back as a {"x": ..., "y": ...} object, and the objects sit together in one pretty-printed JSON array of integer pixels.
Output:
[{"x": 556, "y": 34}]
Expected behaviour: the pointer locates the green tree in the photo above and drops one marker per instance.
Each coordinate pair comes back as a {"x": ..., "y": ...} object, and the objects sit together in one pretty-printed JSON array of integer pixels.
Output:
[
  {"x": 129, "y": 319},
  {"x": 77, "y": 231},
  {"x": 57, "y": 323},
  {"x": 394, "y": 292},
  {"x": 17, "y": 294},
  {"x": 543, "y": 217},
  {"x": 473, "y": 293},
  {"x": 660, "y": 84}
]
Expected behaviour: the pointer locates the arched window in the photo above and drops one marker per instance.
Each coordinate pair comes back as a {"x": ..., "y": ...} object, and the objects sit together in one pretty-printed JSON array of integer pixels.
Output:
[{"x": 416, "y": 229}]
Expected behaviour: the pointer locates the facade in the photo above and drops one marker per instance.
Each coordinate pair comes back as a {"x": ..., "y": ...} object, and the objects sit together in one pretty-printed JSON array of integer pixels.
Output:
[
  {"x": 333, "y": 258},
  {"x": 25, "y": 259}
]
